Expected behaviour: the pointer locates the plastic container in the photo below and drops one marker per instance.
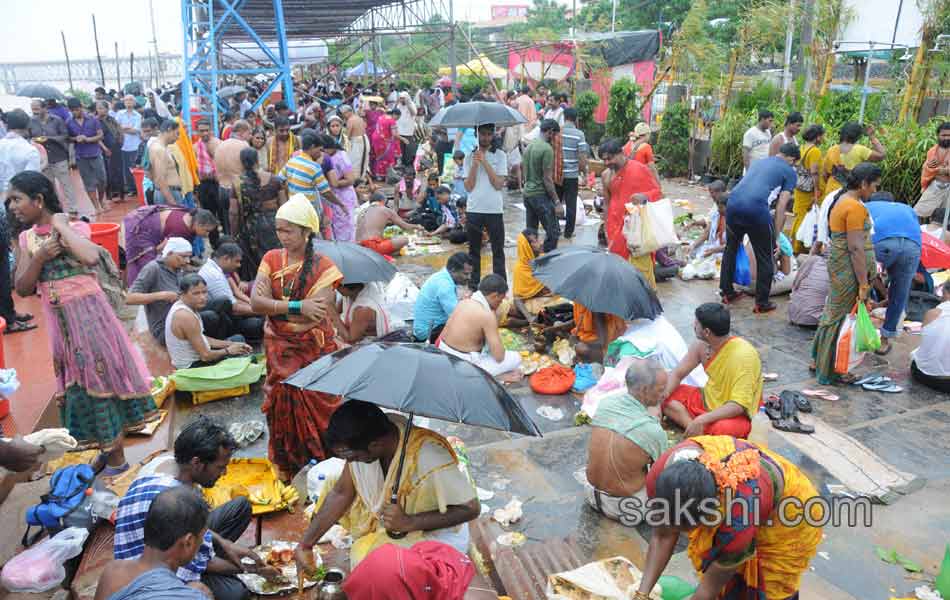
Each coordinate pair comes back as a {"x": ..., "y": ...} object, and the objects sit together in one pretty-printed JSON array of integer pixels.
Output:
[
  {"x": 760, "y": 429},
  {"x": 327, "y": 470},
  {"x": 139, "y": 176},
  {"x": 107, "y": 236},
  {"x": 300, "y": 479}
]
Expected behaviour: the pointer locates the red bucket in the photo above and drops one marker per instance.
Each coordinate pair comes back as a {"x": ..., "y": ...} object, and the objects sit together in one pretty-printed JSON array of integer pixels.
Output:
[
  {"x": 107, "y": 236},
  {"x": 139, "y": 175}
]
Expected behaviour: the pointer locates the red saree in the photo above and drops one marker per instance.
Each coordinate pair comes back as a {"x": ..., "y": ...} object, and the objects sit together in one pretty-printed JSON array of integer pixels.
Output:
[
  {"x": 634, "y": 178},
  {"x": 296, "y": 418}
]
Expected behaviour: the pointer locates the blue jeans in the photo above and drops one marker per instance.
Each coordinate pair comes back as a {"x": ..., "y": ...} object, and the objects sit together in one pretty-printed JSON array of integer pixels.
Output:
[{"x": 900, "y": 257}]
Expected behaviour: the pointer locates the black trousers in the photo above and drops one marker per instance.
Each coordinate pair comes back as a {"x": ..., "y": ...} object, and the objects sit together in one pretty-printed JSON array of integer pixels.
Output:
[
  {"x": 763, "y": 243},
  {"x": 220, "y": 322},
  {"x": 7, "y": 310},
  {"x": 540, "y": 209},
  {"x": 941, "y": 384},
  {"x": 210, "y": 198},
  {"x": 229, "y": 521},
  {"x": 495, "y": 223},
  {"x": 441, "y": 149},
  {"x": 408, "y": 152},
  {"x": 567, "y": 191}
]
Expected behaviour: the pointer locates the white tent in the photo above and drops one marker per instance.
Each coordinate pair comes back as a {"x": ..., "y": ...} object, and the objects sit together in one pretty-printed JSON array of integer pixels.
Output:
[{"x": 302, "y": 52}]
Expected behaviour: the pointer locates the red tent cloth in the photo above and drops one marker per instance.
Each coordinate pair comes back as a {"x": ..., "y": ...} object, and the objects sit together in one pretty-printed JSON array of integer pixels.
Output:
[{"x": 934, "y": 254}]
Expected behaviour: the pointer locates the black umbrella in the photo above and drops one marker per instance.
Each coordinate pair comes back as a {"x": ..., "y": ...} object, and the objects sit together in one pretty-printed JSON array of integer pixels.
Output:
[
  {"x": 358, "y": 263},
  {"x": 416, "y": 379},
  {"x": 601, "y": 281},
  {"x": 230, "y": 90},
  {"x": 473, "y": 114},
  {"x": 40, "y": 90}
]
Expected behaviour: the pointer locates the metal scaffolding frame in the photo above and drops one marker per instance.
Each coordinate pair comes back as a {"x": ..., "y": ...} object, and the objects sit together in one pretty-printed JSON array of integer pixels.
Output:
[{"x": 211, "y": 25}]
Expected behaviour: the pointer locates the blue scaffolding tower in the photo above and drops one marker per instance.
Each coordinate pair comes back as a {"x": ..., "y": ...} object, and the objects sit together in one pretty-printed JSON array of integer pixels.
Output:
[{"x": 207, "y": 24}]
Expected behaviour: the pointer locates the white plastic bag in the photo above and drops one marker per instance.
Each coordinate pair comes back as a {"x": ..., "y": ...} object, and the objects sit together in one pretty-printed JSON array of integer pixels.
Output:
[
  {"x": 806, "y": 231},
  {"x": 660, "y": 214},
  {"x": 581, "y": 214},
  {"x": 40, "y": 568}
]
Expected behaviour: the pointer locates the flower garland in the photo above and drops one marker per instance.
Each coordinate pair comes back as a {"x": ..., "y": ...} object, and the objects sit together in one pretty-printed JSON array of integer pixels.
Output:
[{"x": 737, "y": 468}]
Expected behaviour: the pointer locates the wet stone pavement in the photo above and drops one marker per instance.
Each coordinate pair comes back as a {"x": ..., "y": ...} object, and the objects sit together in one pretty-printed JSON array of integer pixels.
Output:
[{"x": 910, "y": 430}]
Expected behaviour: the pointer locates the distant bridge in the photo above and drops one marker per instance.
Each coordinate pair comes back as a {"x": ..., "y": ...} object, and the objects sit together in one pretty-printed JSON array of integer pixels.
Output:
[{"x": 144, "y": 69}]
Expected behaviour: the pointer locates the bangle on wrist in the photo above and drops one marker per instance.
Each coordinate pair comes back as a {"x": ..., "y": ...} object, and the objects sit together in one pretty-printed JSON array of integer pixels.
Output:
[{"x": 293, "y": 307}]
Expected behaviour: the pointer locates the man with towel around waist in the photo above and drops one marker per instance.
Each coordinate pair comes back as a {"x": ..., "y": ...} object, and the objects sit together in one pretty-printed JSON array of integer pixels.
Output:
[
  {"x": 626, "y": 438},
  {"x": 471, "y": 332}
]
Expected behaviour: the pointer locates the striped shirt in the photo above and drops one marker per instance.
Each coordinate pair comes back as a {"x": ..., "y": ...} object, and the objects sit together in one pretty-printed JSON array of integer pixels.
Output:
[
  {"x": 573, "y": 143},
  {"x": 130, "y": 526},
  {"x": 305, "y": 176}
]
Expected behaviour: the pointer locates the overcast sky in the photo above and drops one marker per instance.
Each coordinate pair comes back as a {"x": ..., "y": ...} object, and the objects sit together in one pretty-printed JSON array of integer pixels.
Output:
[{"x": 30, "y": 28}]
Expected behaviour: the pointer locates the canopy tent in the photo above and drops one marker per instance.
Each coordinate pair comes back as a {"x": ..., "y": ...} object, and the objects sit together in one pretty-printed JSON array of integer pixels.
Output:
[
  {"x": 366, "y": 68},
  {"x": 481, "y": 66},
  {"x": 301, "y": 52}
]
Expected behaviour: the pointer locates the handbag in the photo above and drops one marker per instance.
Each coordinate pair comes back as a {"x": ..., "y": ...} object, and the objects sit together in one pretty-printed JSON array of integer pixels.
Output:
[
  {"x": 660, "y": 216},
  {"x": 806, "y": 180}
]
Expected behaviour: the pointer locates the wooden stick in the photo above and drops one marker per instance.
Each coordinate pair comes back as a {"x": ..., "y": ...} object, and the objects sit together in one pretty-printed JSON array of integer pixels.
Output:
[
  {"x": 95, "y": 37},
  {"x": 69, "y": 71}
]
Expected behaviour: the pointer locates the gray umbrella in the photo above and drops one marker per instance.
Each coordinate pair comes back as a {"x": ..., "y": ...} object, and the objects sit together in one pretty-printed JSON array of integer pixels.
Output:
[
  {"x": 357, "y": 263},
  {"x": 473, "y": 114},
  {"x": 601, "y": 281},
  {"x": 230, "y": 90},
  {"x": 40, "y": 90}
]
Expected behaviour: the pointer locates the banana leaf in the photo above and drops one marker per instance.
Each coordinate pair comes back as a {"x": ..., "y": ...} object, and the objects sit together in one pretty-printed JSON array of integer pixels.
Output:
[{"x": 229, "y": 373}]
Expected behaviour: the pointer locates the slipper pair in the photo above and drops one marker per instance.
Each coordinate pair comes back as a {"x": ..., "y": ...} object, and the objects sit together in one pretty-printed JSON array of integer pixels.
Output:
[
  {"x": 879, "y": 383},
  {"x": 788, "y": 416}
]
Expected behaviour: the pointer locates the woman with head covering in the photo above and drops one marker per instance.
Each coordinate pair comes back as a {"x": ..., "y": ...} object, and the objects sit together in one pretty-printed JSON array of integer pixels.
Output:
[
  {"x": 342, "y": 177},
  {"x": 257, "y": 198},
  {"x": 295, "y": 289},
  {"x": 337, "y": 130},
  {"x": 101, "y": 390}
]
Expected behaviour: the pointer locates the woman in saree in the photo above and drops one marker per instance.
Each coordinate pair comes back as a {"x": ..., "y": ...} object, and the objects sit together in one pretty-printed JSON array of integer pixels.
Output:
[
  {"x": 340, "y": 174},
  {"x": 147, "y": 228},
  {"x": 851, "y": 267},
  {"x": 257, "y": 199},
  {"x": 760, "y": 553},
  {"x": 101, "y": 390},
  {"x": 260, "y": 145},
  {"x": 337, "y": 131},
  {"x": 386, "y": 150},
  {"x": 295, "y": 289},
  {"x": 846, "y": 155},
  {"x": 111, "y": 145},
  {"x": 371, "y": 114},
  {"x": 810, "y": 163}
]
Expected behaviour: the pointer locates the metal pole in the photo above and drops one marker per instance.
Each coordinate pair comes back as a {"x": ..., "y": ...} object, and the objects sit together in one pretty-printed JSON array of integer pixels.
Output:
[
  {"x": 613, "y": 17},
  {"x": 789, "y": 34},
  {"x": 69, "y": 71},
  {"x": 284, "y": 55},
  {"x": 808, "y": 29},
  {"x": 452, "y": 57},
  {"x": 118, "y": 80},
  {"x": 158, "y": 61},
  {"x": 131, "y": 67},
  {"x": 95, "y": 37},
  {"x": 897, "y": 20},
  {"x": 864, "y": 88},
  {"x": 187, "y": 30}
]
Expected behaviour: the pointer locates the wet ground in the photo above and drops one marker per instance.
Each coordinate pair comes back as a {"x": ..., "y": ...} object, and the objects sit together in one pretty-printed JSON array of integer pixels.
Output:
[{"x": 910, "y": 430}]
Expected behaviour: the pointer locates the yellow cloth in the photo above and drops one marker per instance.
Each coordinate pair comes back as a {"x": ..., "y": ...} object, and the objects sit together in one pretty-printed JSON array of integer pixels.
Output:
[
  {"x": 181, "y": 164},
  {"x": 585, "y": 328},
  {"x": 430, "y": 481},
  {"x": 644, "y": 264},
  {"x": 299, "y": 211},
  {"x": 525, "y": 285},
  {"x": 781, "y": 553},
  {"x": 735, "y": 375},
  {"x": 803, "y": 201},
  {"x": 858, "y": 154},
  {"x": 190, "y": 164}
]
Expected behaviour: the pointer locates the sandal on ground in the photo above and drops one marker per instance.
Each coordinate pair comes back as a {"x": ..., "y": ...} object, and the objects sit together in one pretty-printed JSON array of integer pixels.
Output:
[
  {"x": 773, "y": 407},
  {"x": 793, "y": 425},
  {"x": 18, "y": 327},
  {"x": 887, "y": 387},
  {"x": 801, "y": 402},
  {"x": 24, "y": 317},
  {"x": 884, "y": 350},
  {"x": 871, "y": 378},
  {"x": 764, "y": 308}
]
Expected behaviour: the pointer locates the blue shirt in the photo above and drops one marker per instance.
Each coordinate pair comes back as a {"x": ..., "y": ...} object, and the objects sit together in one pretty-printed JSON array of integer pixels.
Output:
[
  {"x": 749, "y": 200},
  {"x": 131, "y": 141},
  {"x": 436, "y": 301},
  {"x": 893, "y": 220},
  {"x": 130, "y": 525}
]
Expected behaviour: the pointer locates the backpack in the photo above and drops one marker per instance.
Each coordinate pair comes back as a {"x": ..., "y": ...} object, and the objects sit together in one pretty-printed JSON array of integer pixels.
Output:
[{"x": 68, "y": 487}]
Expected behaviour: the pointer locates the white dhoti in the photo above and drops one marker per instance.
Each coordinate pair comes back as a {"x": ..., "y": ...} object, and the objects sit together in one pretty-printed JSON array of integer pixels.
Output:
[
  {"x": 629, "y": 510},
  {"x": 359, "y": 156},
  {"x": 484, "y": 360}
]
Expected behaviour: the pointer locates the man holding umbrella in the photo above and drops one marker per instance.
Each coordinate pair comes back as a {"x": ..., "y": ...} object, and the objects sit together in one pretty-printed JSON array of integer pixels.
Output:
[{"x": 435, "y": 499}]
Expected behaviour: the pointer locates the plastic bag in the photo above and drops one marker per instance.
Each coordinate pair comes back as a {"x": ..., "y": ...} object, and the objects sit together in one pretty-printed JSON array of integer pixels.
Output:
[
  {"x": 847, "y": 356},
  {"x": 808, "y": 227},
  {"x": 867, "y": 337},
  {"x": 41, "y": 567},
  {"x": 660, "y": 215},
  {"x": 743, "y": 275}
]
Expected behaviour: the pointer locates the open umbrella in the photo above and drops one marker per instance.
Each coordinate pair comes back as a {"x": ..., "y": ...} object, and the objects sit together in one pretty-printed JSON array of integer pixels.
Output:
[
  {"x": 40, "y": 90},
  {"x": 934, "y": 254},
  {"x": 416, "y": 379},
  {"x": 601, "y": 281},
  {"x": 358, "y": 263},
  {"x": 473, "y": 114},
  {"x": 230, "y": 90}
]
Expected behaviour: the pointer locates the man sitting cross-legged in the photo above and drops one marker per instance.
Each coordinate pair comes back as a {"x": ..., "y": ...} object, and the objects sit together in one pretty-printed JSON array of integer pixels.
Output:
[
  {"x": 471, "y": 332},
  {"x": 626, "y": 438},
  {"x": 372, "y": 222},
  {"x": 734, "y": 390},
  {"x": 174, "y": 530}
]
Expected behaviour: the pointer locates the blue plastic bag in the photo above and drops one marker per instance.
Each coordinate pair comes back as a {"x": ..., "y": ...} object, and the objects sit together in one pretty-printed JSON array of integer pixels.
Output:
[
  {"x": 742, "y": 276},
  {"x": 584, "y": 378}
]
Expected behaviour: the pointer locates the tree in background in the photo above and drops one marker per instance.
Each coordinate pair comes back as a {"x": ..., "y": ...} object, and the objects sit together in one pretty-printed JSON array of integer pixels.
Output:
[
  {"x": 624, "y": 112},
  {"x": 672, "y": 145}
]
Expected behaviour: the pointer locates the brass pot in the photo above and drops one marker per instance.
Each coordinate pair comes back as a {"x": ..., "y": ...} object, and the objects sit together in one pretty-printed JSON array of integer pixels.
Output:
[{"x": 331, "y": 588}]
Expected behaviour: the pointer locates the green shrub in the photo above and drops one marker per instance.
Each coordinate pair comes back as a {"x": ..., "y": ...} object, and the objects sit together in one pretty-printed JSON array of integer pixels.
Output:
[
  {"x": 905, "y": 147},
  {"x": 725, "y": 152},
  {"x": 587, "y": 103},
  {"x": 672, "y": 145},
  {"x": 624, "y": 112}
]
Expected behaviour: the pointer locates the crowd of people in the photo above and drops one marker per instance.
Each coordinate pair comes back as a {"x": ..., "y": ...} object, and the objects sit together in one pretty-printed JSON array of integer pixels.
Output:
[{"x": 223, "y": 257}]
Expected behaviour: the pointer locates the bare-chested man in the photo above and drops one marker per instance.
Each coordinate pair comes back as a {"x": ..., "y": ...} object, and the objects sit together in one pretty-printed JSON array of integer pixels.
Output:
[
  {"x": 626, "y": 438},
  {"x": 359, "y": 141},
  {"x": 162, "y": 169},
  {"x": 280, "y": 146},
  {"x": 375, "y": 218},
  {"x": 471, "y": 332},
  {"x": 227, "y": 162},
  {"x": 208, "y": 190}
]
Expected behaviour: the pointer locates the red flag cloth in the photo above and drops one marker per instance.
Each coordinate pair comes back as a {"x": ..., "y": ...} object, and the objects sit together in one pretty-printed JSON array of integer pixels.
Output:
[
  {"x": 428, "y": 570},
  {"x": 934, "y": 254}
]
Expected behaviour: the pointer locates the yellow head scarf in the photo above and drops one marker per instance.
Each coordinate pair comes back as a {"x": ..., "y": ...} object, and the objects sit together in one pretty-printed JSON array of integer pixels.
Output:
[{"x": 299, "y": 211}]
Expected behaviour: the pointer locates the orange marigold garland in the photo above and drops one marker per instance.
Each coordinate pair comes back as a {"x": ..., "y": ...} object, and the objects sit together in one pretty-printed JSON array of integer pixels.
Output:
[{"x": 738, "y": 468}]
